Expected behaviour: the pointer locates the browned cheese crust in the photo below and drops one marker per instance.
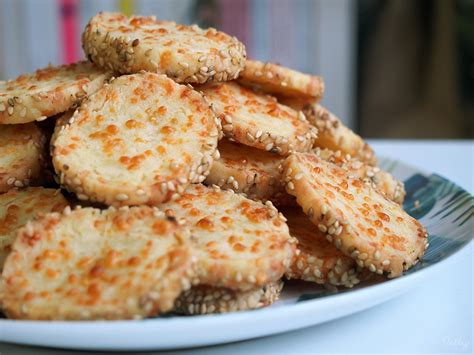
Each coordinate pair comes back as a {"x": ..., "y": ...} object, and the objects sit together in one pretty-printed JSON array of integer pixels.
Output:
[
  {"x": 360, "y": 221},
  {"x": 48, "y": 91},
  {"x": 334, "y": 135},
  {"x": 139, "y": 140},
  {"x": 22, "y": 155},
  {"x": 259, "y": 121},
  {"x": 317, "y": 259},
  {"x": 93, "y": 264},
  {"x": 19, "y": 206},
  {"x": 381, "y": 180},
  {"x": 276, "y": 79},
  {"x": 241, "y": 244},
  {"x": 187, "y": 54}
]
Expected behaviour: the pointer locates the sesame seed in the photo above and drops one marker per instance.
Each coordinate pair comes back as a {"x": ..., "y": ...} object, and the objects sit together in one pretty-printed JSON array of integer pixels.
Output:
[
  {"x": 269, "y": 146},
  {"x": 121, "y": 197},
  {"x": 322, "y": 228}
]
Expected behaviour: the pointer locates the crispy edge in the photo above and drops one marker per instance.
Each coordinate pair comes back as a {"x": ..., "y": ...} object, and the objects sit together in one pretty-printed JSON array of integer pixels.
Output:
[
  {"x": 28, "y": 108},
  {"x": 259, "y": 137},
  {"x": 337, "y": 230},
  {"x": 127, "y": 55},
  {"x": 204, "y": 299},
  {"x": 334, "y": 135},
  {"x": 86, "y": 190},
  {"x": 380, "y": 180},
  {"x": 180, "y": 279},
  {"x": 217, "y": 274},
  {"x": 276, "y": 79},
  {"x": 30, "y": 172}
]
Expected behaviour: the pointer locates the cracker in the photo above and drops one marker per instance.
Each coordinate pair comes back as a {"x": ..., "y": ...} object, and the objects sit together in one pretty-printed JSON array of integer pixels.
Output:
[
  {"x": 317, "y": 260},
  {"x": 48, "y": 91},
  {"x": 19, "y": 206},
  {"x": 242, "y": 244},
  {"x": 276, "y": 79},
  {"x": 361, "y": 222},
  {"x": 93, "y": 264},
  {"x": 255, "y": 172},
  {"x": 187, "y": 54},
  {"x": 210, "y": 300},
  {"x": 138, "y": 140},
  {"x": 381, "y": 180},
  {"x": 22, "y": 157},
  {"x": 258, "y": 121},
  {"x": 334, "y": 135}
]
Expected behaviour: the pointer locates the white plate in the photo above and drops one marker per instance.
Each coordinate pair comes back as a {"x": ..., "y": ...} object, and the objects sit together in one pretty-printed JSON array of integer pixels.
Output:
[{"x": 444, "y": 208}]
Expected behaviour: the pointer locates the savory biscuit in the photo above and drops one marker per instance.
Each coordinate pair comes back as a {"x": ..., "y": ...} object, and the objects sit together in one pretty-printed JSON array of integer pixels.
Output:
[
  {"x": 48, "y": 91},
  {"x": 138, "y": 140},
  {"x": 255, "y": 172},
  {"x": 334, "y": 135},
  {"x": 276, "y": 79},
  {"x": 187, "y": 54},
  {"x": 209, "y": 300},
  {"x": 257, "y": 120},
  {"x": 381, "y": 180},
  {"x": 22, "y": 155},
  {"x": 360, "y": 221},
  {"x": 241, "y": 244},
  {"x": 19, "y": 206},
  {"x": 93, "y": 264},
  {"x": 317, "y": 260}
]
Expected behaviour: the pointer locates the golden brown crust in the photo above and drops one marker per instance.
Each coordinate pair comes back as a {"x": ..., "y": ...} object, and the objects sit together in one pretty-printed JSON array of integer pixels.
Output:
[
  {"x": 22, "y": 149},
  {"x": 241, "y": 244},
  {"x": 48, "y": 91},
  {"x": 187, "y": 54},
  {"x": 334, "y": 135},
  {"x": 247, "y": 170},
  {"x": 381, "y": 180},
  {"x": 317, "y": 260},
  {"x": 257, "y": 120},
  {"x": 139, "y": 140},
  {"x": 210, "y": 300},
  {"x": 93, "y": 264},
  {"x": 276, "y": 79},
  {"x": 19, "y": 206},
  {"x": 355, "y": 217}
]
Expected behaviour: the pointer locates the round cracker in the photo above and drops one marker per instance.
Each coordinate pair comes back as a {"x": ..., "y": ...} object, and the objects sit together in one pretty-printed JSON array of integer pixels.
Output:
[
  {"x": 19, "y": 206},
  {"x": 138, "y": 140},
  {"x": 241, "y": 244},
  {"x": 244, "y": 169},
  {"x": 317, "y": 260},
  {"x": 48, "y": 91},
  {"x": 93, "y": 264},
  {"x": 204, "y": 299},
  {"x": 258, "y": 121},
  {"x": 381, "y": 180},
  {"x": 188, "y": 54},
  {"x": 334, "y": 135},
  {"x": 22, "y": 157},
  {"x": 355, "y": 217},
  {"x": 276, "y": 79}
]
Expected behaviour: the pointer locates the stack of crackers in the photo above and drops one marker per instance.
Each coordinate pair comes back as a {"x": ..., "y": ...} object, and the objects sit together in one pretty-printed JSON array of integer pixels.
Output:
[{"x": 168, "y": 173}]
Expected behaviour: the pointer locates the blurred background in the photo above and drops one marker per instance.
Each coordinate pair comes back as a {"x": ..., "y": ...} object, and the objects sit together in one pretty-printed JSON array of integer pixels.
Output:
[{"x": 392, "y": 68}]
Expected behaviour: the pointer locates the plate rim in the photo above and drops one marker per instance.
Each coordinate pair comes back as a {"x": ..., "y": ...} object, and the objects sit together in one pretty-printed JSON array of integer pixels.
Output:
[{"x": 400, "y": 285}]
